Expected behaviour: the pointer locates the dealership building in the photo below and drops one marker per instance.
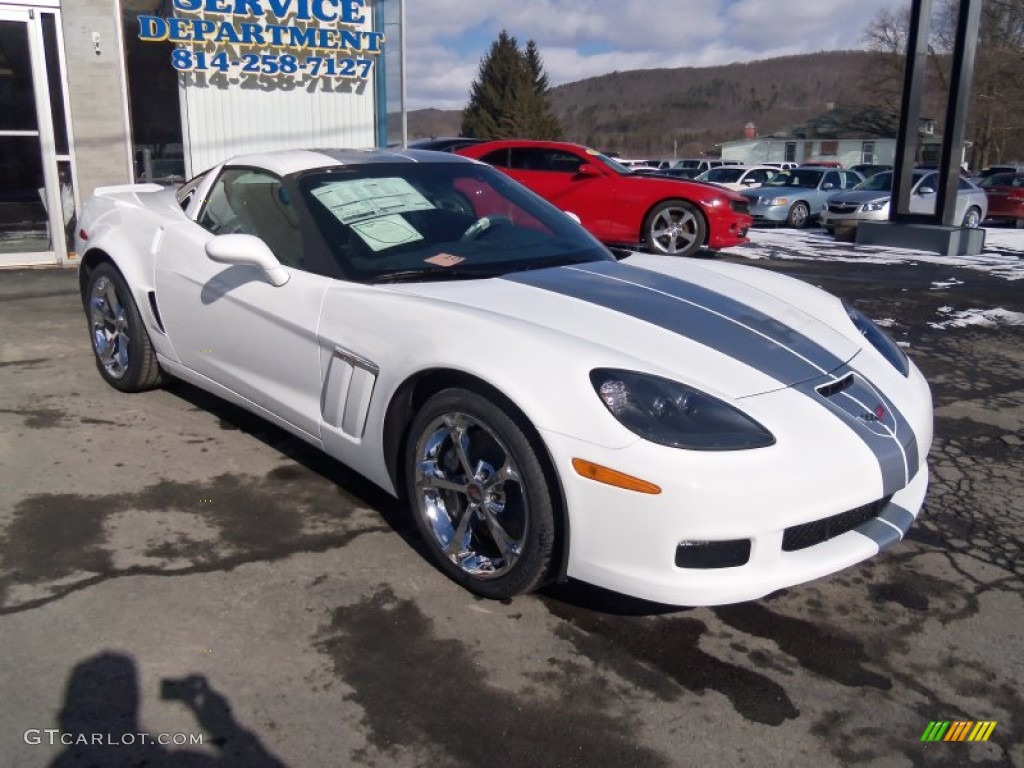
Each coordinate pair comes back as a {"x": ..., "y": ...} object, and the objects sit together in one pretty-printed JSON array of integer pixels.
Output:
[{"x": 96, "y": 93}]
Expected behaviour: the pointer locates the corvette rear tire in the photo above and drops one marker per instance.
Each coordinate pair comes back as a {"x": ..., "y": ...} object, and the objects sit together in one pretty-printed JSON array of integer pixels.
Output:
[
  {"x": 674, "y": 228},
  {"x": 480, "y": 498},
  {"x": 120, "y": 343}
]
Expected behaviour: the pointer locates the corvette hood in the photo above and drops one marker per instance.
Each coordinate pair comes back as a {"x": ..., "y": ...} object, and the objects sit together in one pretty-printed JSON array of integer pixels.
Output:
[{"x": 679, "y": 320}]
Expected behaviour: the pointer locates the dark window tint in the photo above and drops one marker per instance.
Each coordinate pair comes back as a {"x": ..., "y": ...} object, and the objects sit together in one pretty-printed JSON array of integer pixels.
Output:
[
  {"x": 538, "y": 159},
  {"x": 60, "y": 130},
  {"x": 498, "y": 157}
]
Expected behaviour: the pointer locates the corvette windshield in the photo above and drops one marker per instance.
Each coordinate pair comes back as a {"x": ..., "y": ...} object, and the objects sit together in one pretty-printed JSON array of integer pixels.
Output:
[{"x": 385, "y": 222}]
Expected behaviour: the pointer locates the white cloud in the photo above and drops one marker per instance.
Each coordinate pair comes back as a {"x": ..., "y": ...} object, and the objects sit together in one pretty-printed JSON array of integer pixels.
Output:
[{"x": 583, "y": 38}]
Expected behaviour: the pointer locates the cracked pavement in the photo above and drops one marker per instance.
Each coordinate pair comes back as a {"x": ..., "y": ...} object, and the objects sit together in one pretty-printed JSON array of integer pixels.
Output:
[{"x": 171, "y": 564}]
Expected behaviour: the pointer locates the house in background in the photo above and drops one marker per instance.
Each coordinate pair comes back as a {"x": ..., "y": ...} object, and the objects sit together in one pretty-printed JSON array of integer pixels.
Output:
[{"x": 839, "y": 135}]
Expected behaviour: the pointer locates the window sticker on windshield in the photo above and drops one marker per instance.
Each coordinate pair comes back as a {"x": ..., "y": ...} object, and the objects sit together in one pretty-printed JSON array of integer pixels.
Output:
[
  {"x": 356, "y": 199},
  {"x": 444, "y": 260},
  {"x": 386, "y": 232}
]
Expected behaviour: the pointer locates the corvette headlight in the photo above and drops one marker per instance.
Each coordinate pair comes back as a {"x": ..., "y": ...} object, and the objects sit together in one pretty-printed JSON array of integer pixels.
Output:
[
  {"x": 875, "y": 205},
  {"x": 879, "y": 339},
  {"x": 669, "y": 413}
]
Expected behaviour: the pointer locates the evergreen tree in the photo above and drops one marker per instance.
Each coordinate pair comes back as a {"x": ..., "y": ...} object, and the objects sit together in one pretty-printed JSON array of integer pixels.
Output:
[
  {"x": 509, "y": 98},
  {"x": 545, "y": 124}
]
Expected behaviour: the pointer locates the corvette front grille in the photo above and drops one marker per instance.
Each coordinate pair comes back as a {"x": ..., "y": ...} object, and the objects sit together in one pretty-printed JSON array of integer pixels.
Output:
[{"x": 815, "y": 532}]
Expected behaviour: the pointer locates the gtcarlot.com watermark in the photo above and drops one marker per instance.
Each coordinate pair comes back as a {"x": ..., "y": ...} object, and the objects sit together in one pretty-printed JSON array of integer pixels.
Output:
[{"x": 55, "y": 736}]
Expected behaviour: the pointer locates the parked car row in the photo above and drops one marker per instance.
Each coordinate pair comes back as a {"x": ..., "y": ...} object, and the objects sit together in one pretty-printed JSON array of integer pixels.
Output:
[{"x": 662, "y": 210}]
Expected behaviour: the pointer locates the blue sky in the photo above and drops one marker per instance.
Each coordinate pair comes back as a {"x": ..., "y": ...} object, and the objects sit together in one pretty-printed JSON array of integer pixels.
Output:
[{"x": 584, "y": 38}]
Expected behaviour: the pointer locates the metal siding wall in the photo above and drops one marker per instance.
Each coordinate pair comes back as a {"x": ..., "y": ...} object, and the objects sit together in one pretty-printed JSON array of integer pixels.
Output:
[{"x": 223, "y": 122}]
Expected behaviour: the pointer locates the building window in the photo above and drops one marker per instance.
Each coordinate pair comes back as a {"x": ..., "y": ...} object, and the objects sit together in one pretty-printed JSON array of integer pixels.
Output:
[
  {"x": 790, "y": 151},
  {"x": 829, "y": 148},
  {"x": 867, "y": 153},
  {"x": 153, "y": 98}
]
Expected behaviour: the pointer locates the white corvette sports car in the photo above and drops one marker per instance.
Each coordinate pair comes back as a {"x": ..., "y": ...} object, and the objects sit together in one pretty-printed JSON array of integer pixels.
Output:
[{"x": 688, "y": 432}]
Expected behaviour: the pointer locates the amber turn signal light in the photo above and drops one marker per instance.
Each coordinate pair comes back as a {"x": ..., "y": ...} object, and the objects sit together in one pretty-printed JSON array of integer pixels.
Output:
[{"x": 593, "y": 471}]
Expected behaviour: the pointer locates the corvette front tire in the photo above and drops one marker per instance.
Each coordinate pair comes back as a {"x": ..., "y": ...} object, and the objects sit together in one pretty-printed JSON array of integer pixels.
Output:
[{"x": 480, "y": 498}]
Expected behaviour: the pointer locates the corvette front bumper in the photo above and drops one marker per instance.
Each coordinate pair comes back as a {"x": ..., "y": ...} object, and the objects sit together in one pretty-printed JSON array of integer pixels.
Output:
[{"x": 766, "y": 518}]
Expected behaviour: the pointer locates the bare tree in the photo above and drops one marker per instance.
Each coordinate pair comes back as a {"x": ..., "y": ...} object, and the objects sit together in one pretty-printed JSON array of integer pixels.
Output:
[{"x": 995, "y": 124}]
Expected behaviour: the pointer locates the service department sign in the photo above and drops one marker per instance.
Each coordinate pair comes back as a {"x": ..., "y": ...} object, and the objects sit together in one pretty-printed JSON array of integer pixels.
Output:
[{"x": 279, "y": 39}]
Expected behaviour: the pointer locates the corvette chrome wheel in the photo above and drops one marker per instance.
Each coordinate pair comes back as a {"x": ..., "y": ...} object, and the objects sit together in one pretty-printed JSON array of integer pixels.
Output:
[
  {"x": 111, "y": 340},
  {"x": 479, "y": 496},
  {"x": 471, "y": 493},
  {"x": 674, "y": 228}
]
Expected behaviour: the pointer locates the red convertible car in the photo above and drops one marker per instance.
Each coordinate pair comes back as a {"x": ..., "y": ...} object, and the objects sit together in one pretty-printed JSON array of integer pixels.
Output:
[{"x": 619, "y": 207}]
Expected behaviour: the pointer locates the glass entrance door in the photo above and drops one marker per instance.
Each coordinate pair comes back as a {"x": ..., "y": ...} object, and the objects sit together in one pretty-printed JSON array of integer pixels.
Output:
[{"x": 30, "y": 224}]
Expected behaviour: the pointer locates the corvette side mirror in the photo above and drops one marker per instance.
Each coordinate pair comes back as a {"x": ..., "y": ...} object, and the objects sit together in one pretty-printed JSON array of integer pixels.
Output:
[
  {"x": 586, "y": 169},
  {"x": 247, "y": 249}
]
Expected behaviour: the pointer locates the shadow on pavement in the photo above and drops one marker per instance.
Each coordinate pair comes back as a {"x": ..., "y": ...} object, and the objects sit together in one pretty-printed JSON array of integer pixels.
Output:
[{"x": 99, "y": 722}]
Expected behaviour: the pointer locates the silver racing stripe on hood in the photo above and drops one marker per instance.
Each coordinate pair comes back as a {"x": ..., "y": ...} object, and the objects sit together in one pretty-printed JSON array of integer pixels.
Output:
[
  {"x": 693, "y": 311},
  {"x": 750, "y": 336},
  {"x": 878, "y": 422}
]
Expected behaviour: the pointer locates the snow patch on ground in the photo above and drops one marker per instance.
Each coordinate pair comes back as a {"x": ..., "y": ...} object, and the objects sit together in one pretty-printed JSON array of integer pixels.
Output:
[
  {"x": 977, "y": 317},
  {"x": 1003, "y": 255}
]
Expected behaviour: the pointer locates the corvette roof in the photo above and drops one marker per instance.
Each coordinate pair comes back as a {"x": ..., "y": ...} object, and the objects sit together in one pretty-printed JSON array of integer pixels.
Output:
[{"x": 284, "y": 162}]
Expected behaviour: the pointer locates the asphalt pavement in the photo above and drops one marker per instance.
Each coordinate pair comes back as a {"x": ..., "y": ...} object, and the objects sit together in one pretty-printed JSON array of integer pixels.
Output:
[{"x": 175, "y": 569}]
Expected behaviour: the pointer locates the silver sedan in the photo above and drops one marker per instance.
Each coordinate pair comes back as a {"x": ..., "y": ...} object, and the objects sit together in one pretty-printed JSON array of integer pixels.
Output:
[
  {"x": 797, "y": 197},
  {"x": 870, "y": 202}
]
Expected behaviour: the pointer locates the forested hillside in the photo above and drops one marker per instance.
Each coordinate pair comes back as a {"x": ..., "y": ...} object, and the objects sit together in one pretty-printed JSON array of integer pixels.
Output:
[{"x": 646, "y": 112}]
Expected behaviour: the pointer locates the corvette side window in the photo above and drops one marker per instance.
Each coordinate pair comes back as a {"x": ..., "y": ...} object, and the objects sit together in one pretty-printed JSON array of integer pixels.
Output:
[
  {"x": 255, "y": 203},
  {"x": 188, "y": 191}
]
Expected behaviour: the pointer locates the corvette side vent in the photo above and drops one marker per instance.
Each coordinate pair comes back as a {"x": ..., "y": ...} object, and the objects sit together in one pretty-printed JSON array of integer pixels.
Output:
[
  {"x": 156, "y": 311},
  {"x": 833, "y": 388},
  {"x": 348, "y": 386}
]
